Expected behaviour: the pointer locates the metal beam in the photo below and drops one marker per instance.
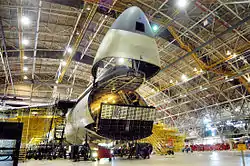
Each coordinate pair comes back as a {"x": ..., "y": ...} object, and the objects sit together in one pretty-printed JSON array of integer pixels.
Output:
[
  {"x": 36, "y": 39},
  {"x": 103, "y": 18},
  {"x": 20, "y": 36},
  {"x": 237, "y": 2},
  {"x": 7, "y": 67},
  {"x": 213, "y": 105},
  {"x": 32, "y": 8},
  {"x": 35, "y": 49},
  {"x": 206, "y": 43},
  {"x": 77, "y": 43}
]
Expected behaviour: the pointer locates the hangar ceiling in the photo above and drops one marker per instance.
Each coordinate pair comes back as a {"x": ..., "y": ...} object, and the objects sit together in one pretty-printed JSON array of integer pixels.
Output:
[{"x": 204, "y": 51}]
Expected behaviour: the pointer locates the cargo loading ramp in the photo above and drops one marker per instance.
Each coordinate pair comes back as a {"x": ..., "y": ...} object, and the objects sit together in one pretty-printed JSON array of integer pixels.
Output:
[{"x": 125, "y": 122}]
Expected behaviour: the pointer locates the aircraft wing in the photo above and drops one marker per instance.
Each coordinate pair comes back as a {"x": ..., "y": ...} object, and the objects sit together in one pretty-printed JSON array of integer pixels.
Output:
[{"x": 61, "y": 104}]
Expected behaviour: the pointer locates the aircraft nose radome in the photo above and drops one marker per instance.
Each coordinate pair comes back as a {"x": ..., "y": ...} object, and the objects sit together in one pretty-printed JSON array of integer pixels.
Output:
[{"x": 134, "y": 20}]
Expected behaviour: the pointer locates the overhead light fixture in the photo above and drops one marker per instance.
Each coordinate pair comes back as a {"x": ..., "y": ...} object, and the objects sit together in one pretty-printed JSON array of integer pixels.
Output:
[
  {"x": 195, "y": 69},
  {"x": 25, "y": 20},
  {"x": 171, "y": 81},
  {"x": 234, "y": 55},
  {"x": 56, "y": 81},
  {"x": 205, "y": 22},
  {"x": 184, "y": 77},
  {"x": 228, "y": 52},
  {"x": 25, "y": 77},
  {"x": 69, "y": 50},
  {"x": 25, "y": 57},
  {"x": 77, "y": 33},
  {"x": 200, "y": 87},
  {"x": 120, "y": 60},
  {"x": 25, "y": 42},
  {"x": 88, "y": 8},
  {"x": 25, "y": 68},
  {"x": 63, "y": 63},
  {"x": 182, "y": 3},
  {"x": 237, "y": 109},
  {"x": 155, "y": 28}
]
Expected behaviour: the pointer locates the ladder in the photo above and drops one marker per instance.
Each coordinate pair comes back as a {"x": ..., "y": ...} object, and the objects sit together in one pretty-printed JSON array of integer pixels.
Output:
[
  {"x": 157, "y": 144},
  {"x": 59, "y": 128},
  {"x": 23, "y": 148},
  {"x": 162, "y": 136},
  {"x": 22, "y": 153}
]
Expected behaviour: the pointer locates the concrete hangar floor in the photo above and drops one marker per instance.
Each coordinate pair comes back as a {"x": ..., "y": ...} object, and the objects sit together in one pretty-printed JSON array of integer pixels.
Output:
[{"x": 226, "y": 158}]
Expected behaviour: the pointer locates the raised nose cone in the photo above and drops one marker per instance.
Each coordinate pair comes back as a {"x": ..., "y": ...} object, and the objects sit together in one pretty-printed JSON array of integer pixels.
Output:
[{"x": 134, "y": 20}]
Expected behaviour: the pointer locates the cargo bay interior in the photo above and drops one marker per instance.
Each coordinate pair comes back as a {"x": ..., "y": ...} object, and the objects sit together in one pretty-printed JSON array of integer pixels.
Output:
[{"x": 119, "y": 82}]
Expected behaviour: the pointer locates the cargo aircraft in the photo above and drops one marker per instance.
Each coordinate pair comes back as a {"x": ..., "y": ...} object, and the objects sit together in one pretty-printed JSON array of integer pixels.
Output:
[{"x": 111, "y": 108}]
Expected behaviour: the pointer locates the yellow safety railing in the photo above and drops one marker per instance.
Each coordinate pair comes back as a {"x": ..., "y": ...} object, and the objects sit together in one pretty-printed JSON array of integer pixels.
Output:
[{"x": 35, "y": 127}]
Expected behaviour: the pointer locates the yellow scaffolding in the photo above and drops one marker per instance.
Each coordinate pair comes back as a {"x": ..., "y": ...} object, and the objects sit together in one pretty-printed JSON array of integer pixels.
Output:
[
  {"x": 163, "y": 137},
  {"x": 35, "y": 127}
]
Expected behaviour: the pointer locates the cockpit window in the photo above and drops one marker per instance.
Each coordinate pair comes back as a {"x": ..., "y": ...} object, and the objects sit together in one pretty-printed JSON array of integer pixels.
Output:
[{"x": 139, "y": 27}]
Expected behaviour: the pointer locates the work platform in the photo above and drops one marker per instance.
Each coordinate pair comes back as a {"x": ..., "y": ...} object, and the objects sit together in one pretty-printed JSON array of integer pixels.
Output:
[{"x": 226, "y": 158}]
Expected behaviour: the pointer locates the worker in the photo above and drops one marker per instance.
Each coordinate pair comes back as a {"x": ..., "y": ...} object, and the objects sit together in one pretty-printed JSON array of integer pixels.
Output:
[
  {"x": 147, "y": 152},
  {"x": 150, "y": 149},
  {"x": 132, "y": 150}
]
